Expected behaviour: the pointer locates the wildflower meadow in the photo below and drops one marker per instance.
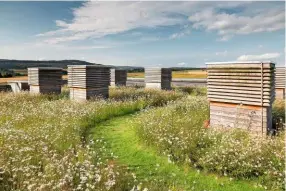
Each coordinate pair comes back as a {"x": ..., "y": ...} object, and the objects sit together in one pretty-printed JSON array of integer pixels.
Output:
[
  {"x": 179, "y": 132},
  {"x": 136, "y": 140}
]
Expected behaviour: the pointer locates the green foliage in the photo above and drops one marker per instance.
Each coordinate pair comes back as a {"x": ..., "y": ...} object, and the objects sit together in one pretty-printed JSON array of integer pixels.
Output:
[
  {"x": 178, "y": 131},
  {"x": 44, "y": 145},
  {"x": 278, "y": 114},
  {"x": 279, "y": 109},
  {"x": 151, "y": 97},
  {"x": 154, "y": 171},
  {"x": 194, "y": 91},
  {"x": 5, "y": 73}
]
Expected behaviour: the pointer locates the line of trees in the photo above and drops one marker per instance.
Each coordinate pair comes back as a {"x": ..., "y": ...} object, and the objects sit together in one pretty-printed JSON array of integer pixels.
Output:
[{"x": 6, "y": 73}]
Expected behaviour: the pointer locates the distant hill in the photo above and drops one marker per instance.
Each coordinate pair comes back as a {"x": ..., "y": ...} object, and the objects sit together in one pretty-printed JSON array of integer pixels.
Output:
[
  {"x": 173, "y": 68},
  {"x": 131, "y": 68},
  {"x": 24, "y": 64},
  {"x": 187, "y": 68}
]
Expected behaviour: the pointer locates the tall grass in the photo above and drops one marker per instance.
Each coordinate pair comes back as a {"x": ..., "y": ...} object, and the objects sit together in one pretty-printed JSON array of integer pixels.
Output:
[
  {"x": 178, "y": 131},
  {"x": 151, "y": 97},
  {"x": 192, "y": 90},
  {"x": 278, "y": 112},
  {"x": 279, "y": 109},
  {"x": 43, "y": 143}
]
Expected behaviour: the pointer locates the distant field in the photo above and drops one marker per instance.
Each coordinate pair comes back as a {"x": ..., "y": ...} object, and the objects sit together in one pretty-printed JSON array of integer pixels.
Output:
[
  {"x": 4, "y": 80},
  {"x": 21, "y": 71},
  {"x": 176, "y": 74}
]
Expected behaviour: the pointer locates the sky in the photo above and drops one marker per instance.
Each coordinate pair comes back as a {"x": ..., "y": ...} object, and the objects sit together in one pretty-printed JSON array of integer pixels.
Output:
[{"x": 166, "y": 34}]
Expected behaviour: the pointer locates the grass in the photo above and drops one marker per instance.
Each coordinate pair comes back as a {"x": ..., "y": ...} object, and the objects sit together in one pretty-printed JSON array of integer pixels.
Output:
[
  {"x": 43, "y": 144},
  {"x": 176, "y": 74},
  {"x": 193, "y": 91},
  {"x": 151, "y": 96},
  {"x": 153, "y": 169},
  {"x": 178, "y": 132},
  {"x": 279, "y": 109}
]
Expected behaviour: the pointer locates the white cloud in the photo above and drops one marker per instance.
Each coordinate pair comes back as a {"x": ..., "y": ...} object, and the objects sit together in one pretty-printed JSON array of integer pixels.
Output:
[
  {"x": 98, "y": 19},
  {"x": 266, "y": 56},
  {"x": 225, "y": 38},
  {"x": 186, "y": 30},
  {"x": 181, "y": 64},
  {"x": 149, "y": 39},
  {"x": 41, "y": 51},
  {"x": 176, "y": 35},
  {"x": 135, "y": 34},
  {"x": 227, "y": 25},
  {"x": 223, "y": 53},
  {"x": 260, "y": 46},
  {"x": 64, "y": 47},
  {"x": 89, "y": 47},
  {"x": 179, "y": 34}
]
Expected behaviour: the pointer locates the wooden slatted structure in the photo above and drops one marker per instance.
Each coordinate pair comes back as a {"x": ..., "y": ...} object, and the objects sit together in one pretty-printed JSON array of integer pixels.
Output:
[
  {"x": 118, "y": 77},
  {"x": 19, "y": 85},
  {"x": 280, "y": 82},
  {"x": 87, "y": 81},
  {"x": 241, "y": 94},
  {"x": 160, "y": 78},
  {"x": 45, "y": 80}
]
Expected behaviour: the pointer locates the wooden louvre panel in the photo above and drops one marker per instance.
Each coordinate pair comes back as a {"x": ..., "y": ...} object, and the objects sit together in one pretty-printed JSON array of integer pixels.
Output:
[
  {"x": 243, "y": 83},
  {"x": 85, "y": 94},
  {"x": 241, "y": 94},
  {"x": 45, "y": 80},
  {"x": 280, "y": 82},
  {"x": 280, "y": 77},
  {"x": 158, "y": 78},
  {"x": 87, "y": 81},
  {"x": 118, "y": 77}
]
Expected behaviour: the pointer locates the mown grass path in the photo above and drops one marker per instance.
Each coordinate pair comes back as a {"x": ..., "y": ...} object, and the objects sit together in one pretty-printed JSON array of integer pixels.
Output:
[{"x": 148, "y": 165}]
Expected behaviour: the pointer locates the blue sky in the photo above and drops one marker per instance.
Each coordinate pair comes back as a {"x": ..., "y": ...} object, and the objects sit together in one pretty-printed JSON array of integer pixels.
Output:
[{"x": 143, "y": 33}]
